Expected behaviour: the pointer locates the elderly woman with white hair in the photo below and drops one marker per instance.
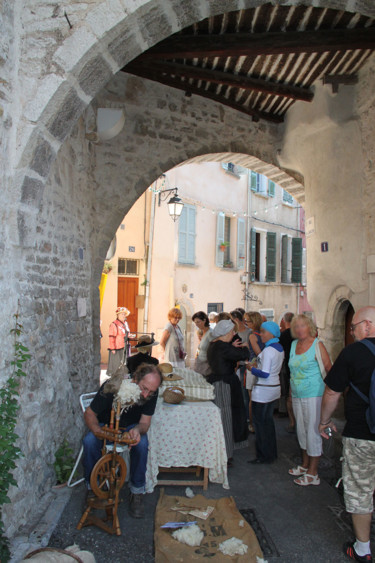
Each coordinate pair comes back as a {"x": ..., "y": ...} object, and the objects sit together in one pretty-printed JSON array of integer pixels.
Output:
[
  {"x": 222, "y": 356},
  {"x": 308, "y": 358},
  {"x": 266, "y": 392}
]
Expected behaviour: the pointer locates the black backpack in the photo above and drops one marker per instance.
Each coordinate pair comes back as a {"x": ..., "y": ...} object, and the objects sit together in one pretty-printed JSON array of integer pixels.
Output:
[{"x": 370, "y": 400}]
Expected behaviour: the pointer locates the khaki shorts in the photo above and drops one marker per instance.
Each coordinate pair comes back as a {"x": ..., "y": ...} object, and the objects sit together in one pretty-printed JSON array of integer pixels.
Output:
[{"x": 358, "y": 474}]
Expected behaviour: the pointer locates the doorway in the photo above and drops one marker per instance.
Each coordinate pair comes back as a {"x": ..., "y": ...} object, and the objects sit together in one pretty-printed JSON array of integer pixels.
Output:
[
  {"x": 348, "y": 321},
  {"x": 127, "y": 291}
]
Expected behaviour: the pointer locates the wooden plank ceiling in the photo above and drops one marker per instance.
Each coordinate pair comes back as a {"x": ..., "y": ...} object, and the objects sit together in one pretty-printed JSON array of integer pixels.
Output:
[{"x": 261, "y": 60}]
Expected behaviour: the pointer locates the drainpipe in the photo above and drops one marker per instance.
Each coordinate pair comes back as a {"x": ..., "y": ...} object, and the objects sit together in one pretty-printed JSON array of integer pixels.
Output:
[
  {"x": 149, "y": 259},
  {"x": 248, "y": 224}
]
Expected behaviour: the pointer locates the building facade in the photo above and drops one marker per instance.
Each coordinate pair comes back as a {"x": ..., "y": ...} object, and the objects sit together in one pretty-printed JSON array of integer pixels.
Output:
[{"x": 238, "y": 242}]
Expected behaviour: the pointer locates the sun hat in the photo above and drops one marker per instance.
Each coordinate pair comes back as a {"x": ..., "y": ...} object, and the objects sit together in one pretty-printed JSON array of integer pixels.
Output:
[
  {"x": 271, "y": 327},
  {"x": 122, "y": 310},
  {"x": 146, "y": 341},
  {"x": 222, "y": 328},
  {"x": 167, "y": 372}
]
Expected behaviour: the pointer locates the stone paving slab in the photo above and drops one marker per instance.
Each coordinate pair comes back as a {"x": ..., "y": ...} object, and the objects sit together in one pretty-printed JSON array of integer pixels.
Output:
[{"x": 305, "y": 524}]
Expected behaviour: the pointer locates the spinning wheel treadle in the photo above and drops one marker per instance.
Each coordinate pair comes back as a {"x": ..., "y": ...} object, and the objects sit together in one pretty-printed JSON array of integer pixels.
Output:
[{"x": 105, "y": 469}]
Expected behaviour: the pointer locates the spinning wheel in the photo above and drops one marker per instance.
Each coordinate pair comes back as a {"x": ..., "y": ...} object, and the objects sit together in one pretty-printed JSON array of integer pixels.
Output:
[
  {"x": 107, "y": 478},
  {"x": 109, "y": 467}
]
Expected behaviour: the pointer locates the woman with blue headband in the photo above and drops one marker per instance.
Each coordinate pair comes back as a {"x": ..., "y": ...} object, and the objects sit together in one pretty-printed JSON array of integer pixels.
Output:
[{"x": 266, "y": 392}]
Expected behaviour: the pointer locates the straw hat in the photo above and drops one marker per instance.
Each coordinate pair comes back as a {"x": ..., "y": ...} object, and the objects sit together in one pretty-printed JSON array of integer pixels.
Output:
[
  {"x": 120, "y": 310},
  {"x": 145, "y": 342},
  {"x": 167, "y": 371}
]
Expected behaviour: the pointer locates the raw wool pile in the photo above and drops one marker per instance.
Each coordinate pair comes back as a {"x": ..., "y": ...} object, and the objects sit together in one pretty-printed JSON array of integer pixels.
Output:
[
  {"x": 128, "y": 394},
  {"x": 233, "y": 546},
  {"x": 191, "y": 535}
]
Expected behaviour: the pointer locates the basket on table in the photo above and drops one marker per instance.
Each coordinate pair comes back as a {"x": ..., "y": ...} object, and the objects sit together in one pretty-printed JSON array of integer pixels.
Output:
[{"x": 174, "y": 395}]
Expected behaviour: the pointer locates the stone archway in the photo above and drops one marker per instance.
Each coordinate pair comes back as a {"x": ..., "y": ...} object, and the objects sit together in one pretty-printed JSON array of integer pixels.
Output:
[
  {"x": 60, "y": 213},
  {"x": 335, "y": 332}
]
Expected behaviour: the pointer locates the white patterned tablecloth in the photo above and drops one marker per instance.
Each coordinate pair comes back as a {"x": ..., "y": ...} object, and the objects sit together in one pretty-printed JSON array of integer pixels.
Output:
[{"x": 185, "y": 435}]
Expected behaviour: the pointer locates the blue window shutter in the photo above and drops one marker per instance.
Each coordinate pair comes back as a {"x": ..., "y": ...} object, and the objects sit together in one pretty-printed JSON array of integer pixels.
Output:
[
  {"x": 284, "y": 259},
  {"x": 220, "y": 239},
  {"x": 186, "y": 235},
  {"x": 253, "y": 181},
  {"x": 190, "y": 255},
  {"x": 296, "y": 260},
  {"x": 271, "y": 257},
  {"x": 253, "y": 254},
  {"x": 241, "y": 233},
  {"x": 271, "y": 188}
]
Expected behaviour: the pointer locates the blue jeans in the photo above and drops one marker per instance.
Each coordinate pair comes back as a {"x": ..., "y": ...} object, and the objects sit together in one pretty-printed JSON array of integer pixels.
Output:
[
  {"x": 265, "y": 434},
  {"x": 92, "y": 452}
]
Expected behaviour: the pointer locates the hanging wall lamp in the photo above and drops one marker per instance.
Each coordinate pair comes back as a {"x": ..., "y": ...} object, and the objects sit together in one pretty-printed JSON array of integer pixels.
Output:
[{"x": 175, "y": 203}]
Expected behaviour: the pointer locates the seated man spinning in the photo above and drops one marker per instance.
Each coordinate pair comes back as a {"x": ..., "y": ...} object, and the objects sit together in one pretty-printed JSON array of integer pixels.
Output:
[{"x": 136, "y": 420}]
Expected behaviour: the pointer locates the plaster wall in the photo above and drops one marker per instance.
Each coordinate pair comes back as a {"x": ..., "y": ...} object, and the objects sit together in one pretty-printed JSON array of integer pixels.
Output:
[{"x": 331, "y": 140}]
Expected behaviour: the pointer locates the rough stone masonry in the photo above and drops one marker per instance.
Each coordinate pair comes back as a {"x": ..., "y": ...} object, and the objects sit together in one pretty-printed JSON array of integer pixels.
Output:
[{"x": 62, "y": 197}]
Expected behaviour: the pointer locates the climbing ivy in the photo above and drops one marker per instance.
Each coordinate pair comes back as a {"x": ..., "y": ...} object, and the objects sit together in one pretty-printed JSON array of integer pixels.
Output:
[{"x": 8, "y": 419}]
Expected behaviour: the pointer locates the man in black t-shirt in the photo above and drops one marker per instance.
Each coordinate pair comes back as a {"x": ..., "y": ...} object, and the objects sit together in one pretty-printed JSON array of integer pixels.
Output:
[
  {"x": 355, "y": 365},
  {"x": 136, "y": 420}
]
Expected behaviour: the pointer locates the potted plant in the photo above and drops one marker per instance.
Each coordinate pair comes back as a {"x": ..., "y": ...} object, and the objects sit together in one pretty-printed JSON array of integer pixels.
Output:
[
  {"x": 64, "y": 463},
  {"x": 223, "y": 246},
  {"x": 228, "y": 264}
]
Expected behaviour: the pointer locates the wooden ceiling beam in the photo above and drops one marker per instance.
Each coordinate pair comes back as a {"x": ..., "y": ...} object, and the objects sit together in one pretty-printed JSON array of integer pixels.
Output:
[
  {"x": 269, "y": 43},
  {"x": 228, "y": 79},
  {"x": 186, "y": 87}
]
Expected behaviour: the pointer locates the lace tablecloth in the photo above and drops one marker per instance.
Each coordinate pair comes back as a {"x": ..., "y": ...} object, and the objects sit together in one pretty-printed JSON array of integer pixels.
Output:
[{"x": 184, "y": 435}]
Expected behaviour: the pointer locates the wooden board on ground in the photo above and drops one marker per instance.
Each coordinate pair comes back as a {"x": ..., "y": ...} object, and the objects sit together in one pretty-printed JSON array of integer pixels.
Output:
[{"x": 224, "y": 523}]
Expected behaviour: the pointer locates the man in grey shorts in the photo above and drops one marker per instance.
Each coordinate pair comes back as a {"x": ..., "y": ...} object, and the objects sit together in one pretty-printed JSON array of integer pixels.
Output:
[{"x": 355, "y": 365}]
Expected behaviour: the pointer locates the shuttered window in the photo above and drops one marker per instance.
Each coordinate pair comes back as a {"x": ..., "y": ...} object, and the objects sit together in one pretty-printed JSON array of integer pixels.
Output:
[
  {"x": 271, "y": 188},
  {"x": 254, "y": 181},
  {"x": 186, "y": 235},
  {"x": 220, "y": 228},
  {"x": 287, "y": 198},
  {"x": 241, "y": 235},
  {"x": 271, "y": 257},
  {"x": 296, "y": 260},
  {"x": 284, "y": 258},
  {"x": 253, "y": 254}
]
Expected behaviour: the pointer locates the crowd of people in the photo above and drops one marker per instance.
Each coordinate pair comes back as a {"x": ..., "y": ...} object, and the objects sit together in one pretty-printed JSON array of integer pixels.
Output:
[{"x": 255, "y": 367}]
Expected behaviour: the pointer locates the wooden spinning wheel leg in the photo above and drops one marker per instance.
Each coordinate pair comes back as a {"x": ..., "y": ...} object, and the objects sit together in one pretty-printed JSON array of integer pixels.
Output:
[{"x": 81, "y": 523}]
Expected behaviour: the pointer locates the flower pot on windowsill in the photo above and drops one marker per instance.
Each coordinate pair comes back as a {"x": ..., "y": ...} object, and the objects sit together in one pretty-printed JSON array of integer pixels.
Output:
[{"x": 228, "y": 265}]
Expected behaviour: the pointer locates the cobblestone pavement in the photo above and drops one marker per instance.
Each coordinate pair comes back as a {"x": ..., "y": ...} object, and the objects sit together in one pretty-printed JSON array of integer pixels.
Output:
[{"x": 294, "y": 523}]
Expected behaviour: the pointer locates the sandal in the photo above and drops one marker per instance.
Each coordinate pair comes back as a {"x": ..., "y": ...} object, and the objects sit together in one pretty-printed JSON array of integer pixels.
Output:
[
  {"x": 297, "y": 471},
  {"x": 307, "y": 479}
]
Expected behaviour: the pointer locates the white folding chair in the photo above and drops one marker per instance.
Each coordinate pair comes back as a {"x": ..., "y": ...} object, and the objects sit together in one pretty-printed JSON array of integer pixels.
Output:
[{"x": 85, "y": 401}]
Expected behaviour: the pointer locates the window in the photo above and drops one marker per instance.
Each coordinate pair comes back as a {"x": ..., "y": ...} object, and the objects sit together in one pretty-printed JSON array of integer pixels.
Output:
[
  {"x": 268, "y": 313},
  {"x": 241, "y": 235},
  {"x": 296, "y": 260},
  {"x": 258, "y": 183},
  {"x": 186, "y": 235},
  {"x": 127, "y": 267},
  {"x": 287, "y": 198},
  {"x": 254, "y": 255},
  {"x": 231, "y": 168},
  {"x": 271, "y": 188},
  {"x": 271, "y": 257},
  {"x": 223, "y": 228},
  {"x": 215, "y": 308}
]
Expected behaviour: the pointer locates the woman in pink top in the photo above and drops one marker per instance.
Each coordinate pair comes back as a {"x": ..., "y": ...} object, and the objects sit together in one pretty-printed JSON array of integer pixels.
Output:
[{"x": 118, "y": 332}]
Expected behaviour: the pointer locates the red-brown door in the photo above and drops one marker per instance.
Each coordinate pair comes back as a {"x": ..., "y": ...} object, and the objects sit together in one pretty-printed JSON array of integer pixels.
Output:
[{"x": 127, "y": 290}]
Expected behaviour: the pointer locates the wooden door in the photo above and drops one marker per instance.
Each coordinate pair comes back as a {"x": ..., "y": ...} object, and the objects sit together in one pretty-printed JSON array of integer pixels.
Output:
[{"x": 127, "y": 290}]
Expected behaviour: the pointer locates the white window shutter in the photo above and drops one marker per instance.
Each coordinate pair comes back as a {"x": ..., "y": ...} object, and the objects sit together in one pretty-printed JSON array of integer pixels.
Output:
[
  {"x": 241, "y": 233},
  {"x": 186, "y": 235},
  {"x": 190, "y": 255},
  {"x": 220, "y": 239}
]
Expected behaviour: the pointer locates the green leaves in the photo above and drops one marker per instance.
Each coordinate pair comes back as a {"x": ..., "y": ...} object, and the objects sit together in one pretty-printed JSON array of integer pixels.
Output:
[
  {"x": 64, "y": 462},
  {"x": 8, "y": 419}
]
